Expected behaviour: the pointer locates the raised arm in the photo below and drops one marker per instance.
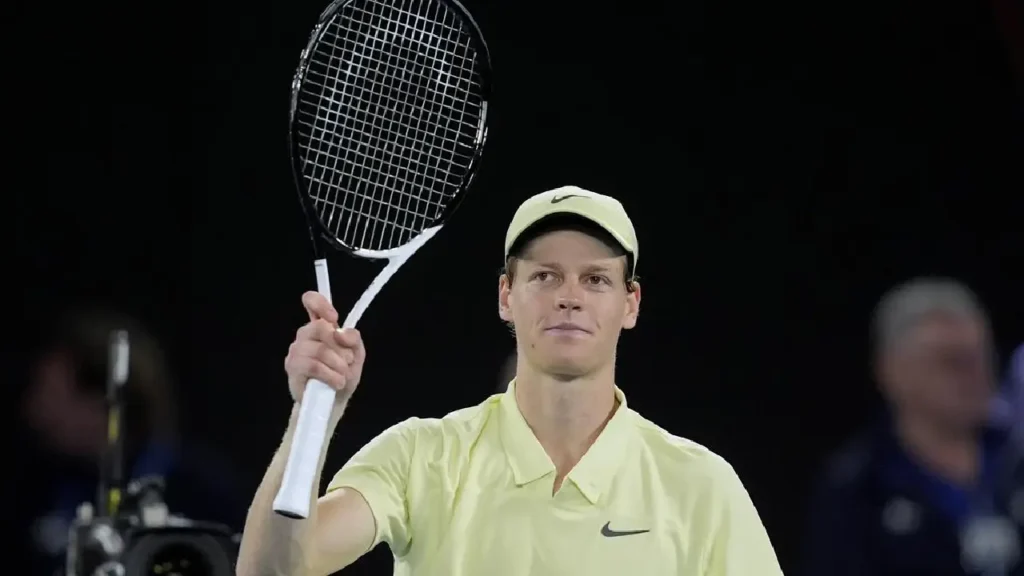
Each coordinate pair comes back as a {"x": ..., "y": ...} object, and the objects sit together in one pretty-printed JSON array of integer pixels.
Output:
[
  {"x": 339, "y": 530},
  {"x": 341, "y": 526}
]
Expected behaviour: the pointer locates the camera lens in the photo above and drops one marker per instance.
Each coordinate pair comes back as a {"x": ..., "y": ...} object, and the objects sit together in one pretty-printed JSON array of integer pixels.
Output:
[{"x": 179, "y": 560}]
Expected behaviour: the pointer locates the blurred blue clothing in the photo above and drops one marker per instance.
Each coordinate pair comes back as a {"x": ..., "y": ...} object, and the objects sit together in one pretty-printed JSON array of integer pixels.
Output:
[
  {"x": 1014, "y": 392},
  {"x": 876, "y": 512},
  {"x": 198, "y": 486}
]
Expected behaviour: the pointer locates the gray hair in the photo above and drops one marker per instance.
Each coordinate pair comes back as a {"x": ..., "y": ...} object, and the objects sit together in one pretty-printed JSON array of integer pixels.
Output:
[{"x": 908, "y": 304}]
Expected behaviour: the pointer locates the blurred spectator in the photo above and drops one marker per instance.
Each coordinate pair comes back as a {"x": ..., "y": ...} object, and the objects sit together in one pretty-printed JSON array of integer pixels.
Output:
[
  {"x": 1008, "y": 409},
  {"x": 507, "y": 373},
  {"x": 931, "y": 488},
  {"x": 64, "y": 406},
  {"x": 1015, "y": 391}
]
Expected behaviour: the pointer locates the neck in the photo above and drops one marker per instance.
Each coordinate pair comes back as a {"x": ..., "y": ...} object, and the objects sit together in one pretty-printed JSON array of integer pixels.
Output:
[
  {"x": 565, "y": 416},
  {"x": 952, "y": 452}
]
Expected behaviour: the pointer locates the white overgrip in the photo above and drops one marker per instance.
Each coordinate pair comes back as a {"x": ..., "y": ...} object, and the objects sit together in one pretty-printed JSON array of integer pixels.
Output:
[
  {"x": 299, "y": 478},
  {"x": 323, "y": 278}
]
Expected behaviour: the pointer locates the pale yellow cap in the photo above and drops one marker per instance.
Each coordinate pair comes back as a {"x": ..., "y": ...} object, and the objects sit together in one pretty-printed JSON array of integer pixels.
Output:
[{"x": 605, "y": 211}]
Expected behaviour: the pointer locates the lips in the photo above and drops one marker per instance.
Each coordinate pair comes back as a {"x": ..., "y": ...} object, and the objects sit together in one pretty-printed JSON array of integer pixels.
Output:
[{"x": 567, "y": 327}]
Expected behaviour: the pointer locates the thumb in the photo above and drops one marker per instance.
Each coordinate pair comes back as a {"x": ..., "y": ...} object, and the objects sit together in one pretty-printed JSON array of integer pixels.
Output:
[{"x": 319, "y": 307}]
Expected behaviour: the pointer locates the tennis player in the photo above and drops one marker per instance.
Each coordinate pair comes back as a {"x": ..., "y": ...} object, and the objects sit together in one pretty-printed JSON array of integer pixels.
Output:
[{"x": 555, "y": 477}]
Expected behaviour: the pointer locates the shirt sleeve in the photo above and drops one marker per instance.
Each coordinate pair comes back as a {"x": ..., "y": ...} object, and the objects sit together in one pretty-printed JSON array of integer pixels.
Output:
[
  {"x": 379, "y": 472},
  {"x": 739, "y": 544}
]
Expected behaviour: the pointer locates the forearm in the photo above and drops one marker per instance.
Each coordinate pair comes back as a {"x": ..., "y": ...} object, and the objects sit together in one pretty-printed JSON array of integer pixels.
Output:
[{"x": 273, "y": 545}]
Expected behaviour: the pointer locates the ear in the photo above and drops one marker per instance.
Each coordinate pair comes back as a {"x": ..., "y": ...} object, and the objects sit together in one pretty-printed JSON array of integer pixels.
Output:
[
  {"x": 632, "y": 307},
  {"x": 504, "y": 290}
]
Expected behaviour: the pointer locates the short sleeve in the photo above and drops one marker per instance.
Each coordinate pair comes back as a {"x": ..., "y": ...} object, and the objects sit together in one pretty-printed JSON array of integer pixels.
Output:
[
  {"x": 739, "y": 543},
  {"x": 379, "y": 471}
]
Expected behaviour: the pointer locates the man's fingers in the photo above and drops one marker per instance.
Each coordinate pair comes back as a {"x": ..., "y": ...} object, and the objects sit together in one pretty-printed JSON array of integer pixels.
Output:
[
  {"x": 318, "y": 307},
  {"x": 349, "y": 338},
  {"x": 317, "y": 330},
  {"x": 352, "y": 340},
  {"x": 314, "y": 369},
  {"x": 321, "y": 351},
  {"x": 311, "y": 359}
]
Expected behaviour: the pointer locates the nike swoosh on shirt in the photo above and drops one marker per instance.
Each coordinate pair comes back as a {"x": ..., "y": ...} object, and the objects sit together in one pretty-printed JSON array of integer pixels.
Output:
[{"x": 607, "y": 532}]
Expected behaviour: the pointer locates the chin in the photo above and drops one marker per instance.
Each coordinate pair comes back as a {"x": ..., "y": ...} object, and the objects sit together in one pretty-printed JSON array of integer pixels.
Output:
[
  {"x": 567, "y": 374},
  {"x": 566, "y": 368}
]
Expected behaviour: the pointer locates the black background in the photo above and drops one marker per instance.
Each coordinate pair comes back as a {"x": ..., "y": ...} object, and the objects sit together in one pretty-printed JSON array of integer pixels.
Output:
[{"x": 784, "y": 165}]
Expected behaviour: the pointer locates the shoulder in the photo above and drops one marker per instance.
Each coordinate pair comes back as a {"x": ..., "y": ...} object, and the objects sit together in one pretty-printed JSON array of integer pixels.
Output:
[
  {"x": 427, "y": 434},
  {"x": 680, "y": 456},
  {"x": 846, "y": 469},
  {"x": 845, "y": 489},
  {"x": 707, "y": 492},
  {"x": 393, "y": 456},
  {"x": 697, "y": 479}
]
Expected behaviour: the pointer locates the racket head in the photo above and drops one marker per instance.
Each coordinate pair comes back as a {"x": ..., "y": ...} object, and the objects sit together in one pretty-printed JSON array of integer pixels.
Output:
[{"x": 345, "y": 124}]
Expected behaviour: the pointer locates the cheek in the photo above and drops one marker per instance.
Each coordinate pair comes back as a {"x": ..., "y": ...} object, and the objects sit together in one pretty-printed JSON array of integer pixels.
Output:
[
  {"x": 528, "y": 306},
  {"x": 611, "y": 315},
  {"x": 43, "y": 405}
]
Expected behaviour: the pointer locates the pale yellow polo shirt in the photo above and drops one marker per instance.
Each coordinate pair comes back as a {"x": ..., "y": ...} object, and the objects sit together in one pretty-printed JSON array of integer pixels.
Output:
[{"x": 470, "y": 494}]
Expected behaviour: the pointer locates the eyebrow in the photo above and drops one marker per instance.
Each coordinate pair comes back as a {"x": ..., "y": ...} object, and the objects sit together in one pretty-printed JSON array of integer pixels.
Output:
[{"x": 588, "y": 268}]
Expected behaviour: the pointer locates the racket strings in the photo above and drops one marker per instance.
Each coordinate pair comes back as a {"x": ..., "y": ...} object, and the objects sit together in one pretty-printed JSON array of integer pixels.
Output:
[{"x": 388, "y": 118}]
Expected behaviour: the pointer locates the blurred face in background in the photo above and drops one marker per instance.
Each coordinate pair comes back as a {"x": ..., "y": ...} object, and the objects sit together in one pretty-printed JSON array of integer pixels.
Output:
[
  {"x": 941, "y": 369},
  {"x": 66, "y": 419},
  {"x": 568, "y": 302}
]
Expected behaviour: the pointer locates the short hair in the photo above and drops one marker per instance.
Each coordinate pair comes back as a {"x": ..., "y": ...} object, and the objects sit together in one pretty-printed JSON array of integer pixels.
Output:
[
  {"x": 567, "y": 222},
  {"x": 907, "y": 305}
]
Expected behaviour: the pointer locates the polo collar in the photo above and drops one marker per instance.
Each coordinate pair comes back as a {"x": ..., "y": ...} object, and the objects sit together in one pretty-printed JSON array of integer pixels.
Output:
[{"x": 594, "y": 472}]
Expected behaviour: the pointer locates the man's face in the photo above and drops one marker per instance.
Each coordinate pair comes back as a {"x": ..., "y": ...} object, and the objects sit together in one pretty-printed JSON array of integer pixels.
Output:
[
  {"x": 942, "y": 368},
  {"x": 56, "y": 410},
  {"x": 568, "y": 302}
]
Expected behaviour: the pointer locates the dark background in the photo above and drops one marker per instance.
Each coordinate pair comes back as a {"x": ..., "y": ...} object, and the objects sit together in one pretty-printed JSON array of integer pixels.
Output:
[{"x": 784, "y": 165}]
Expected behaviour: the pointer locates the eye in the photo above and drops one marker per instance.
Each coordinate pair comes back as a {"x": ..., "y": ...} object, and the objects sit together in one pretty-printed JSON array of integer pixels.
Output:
[
  {"x": 597, "y": 280},
  {"x": 542, "y": 276}
]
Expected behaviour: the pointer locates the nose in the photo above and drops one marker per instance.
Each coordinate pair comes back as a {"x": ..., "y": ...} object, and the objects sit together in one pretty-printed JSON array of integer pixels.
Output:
[{"x": 570, "y": 297}]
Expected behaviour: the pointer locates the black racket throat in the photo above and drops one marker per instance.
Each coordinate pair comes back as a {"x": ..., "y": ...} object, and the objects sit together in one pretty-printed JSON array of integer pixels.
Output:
[{"x": 388, "y": 119}]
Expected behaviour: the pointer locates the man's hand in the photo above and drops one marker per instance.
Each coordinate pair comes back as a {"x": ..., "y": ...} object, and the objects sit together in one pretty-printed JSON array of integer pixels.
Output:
[{"x": 321, "y": 351}]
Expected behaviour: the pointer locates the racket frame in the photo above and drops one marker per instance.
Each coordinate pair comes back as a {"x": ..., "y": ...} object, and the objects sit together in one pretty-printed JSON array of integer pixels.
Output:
[
  {"x": 318, "y": 231},
  {"x": 310, "y": 435}
]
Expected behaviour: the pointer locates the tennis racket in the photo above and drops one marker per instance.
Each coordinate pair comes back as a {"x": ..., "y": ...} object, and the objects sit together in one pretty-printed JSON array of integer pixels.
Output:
[{"x": 388, "y": 121}]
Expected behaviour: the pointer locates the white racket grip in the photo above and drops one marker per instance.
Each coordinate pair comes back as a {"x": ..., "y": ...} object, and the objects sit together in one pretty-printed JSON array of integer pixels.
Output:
[
  {"x": 300, "y": 480},
  {"x": 323, "y": 278}
]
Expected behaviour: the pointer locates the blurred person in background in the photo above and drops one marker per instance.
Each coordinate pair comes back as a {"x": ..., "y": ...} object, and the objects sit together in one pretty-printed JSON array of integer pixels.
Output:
[
  {"x": 1008, "y": 410},
  {"x": 64, "y": 407},
  {"x": 931, "y": 488},
  {"x": 1016, "y": 391}
]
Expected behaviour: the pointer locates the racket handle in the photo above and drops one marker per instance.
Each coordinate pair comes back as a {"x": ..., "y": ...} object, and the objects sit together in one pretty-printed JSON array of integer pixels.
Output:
[{"x": 299, "y": 480}]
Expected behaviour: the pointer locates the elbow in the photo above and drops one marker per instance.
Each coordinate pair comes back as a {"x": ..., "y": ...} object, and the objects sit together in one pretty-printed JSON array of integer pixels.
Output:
[{"x": 273, "y": 560}]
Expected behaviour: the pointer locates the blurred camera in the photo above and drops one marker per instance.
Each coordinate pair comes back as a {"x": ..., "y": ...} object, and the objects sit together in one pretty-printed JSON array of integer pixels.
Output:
[{"x": 145, "y": 540}]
